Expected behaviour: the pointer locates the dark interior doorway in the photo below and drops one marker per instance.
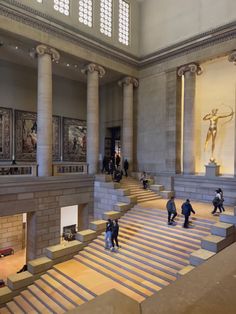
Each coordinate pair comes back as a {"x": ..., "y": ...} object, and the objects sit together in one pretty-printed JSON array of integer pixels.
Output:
[{"x": 112, "y": 142}]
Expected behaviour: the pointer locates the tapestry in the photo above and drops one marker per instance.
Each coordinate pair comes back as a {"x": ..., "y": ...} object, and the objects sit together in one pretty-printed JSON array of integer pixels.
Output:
[
  {"x": 5, "y": 133},
  {"x": 26, "y": 136},
  {"x": 74, "y": 140}
]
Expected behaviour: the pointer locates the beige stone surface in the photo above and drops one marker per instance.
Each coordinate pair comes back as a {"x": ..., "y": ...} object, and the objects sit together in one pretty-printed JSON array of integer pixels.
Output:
[
  {"x": 18, "y": 281},
  {"x": 86, "y": 235},
  {"x": 64, "y": 249},
  {"x": 39, "y": 265},
  {"x": 6, "y": 295}
]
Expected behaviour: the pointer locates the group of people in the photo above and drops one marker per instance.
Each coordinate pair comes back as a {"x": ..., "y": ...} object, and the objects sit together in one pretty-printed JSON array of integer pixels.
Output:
[
  {"x": 218, "y": 201},
  {"x": 111, "y": 235},
  {"x": 112, "y": 166},
  {"x": 186, "y": 207}
]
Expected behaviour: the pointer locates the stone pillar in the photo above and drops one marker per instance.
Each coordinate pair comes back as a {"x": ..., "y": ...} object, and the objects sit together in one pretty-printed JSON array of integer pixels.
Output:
[
  {"x": 44, "y": 110},
  {"x": 232, "y": 58},
  {"x": 189, "y": 71},
  {"x": 93, "y": 72},
  {"x": 128, "y": 84}
]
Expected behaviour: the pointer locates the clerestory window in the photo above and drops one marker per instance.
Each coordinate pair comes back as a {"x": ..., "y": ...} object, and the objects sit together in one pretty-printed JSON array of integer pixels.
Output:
[
  {"x": 124, "y": 13},
  {"x": 86, "y": 12},
  {"x": 106, "y": 17},
  {"x": 62, "y": 6}
]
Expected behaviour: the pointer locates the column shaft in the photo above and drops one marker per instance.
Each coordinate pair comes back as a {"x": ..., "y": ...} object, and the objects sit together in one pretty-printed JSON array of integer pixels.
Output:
[
  {"x": 44, "y": 116},
  {"x": 92, "y": 121},
  {"x": 189, "y": 123},
  {"x": 127, "y": 142}
]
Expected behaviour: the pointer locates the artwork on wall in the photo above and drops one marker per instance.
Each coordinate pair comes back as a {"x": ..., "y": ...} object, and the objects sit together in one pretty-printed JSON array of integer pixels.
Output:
[
  {"x": 74, "y": 140},
  {"x": 26, "y": 136},
  {"x": 5, "y": 133}
]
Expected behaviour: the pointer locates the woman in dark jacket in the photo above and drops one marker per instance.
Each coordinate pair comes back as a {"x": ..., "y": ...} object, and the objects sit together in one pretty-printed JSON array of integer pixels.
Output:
[{"x": 115, "y": 232}]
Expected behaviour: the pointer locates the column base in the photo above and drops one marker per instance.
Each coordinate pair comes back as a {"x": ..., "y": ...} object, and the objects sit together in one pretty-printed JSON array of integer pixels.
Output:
[{"x": 212, "y": 170}]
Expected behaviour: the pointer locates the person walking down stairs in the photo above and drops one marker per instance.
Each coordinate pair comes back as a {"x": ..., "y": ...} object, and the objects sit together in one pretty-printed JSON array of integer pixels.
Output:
[
  {"x": 186, "y": 211},
  {"x": 144, "y": 179},
  {"x": 114, "y": 236},
  {"x": 108, "y": 234},
  {"x": 171, "y": 209}
]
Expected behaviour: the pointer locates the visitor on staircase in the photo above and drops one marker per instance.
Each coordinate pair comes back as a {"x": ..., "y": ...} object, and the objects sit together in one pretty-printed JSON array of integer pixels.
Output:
[
  {"x": 186, "y": 211},
  {"x": 217, "y": 202},
  {"x": 126, "y": 167},
  {"x": 222, "y": 199},
  {"x": 144, "y": 179},
  {"x": 171, "y": 209},
  {"x": 118, "y": 173},
  {"x": 114, "y": 237},
  {"x": 108, "y": 234}
]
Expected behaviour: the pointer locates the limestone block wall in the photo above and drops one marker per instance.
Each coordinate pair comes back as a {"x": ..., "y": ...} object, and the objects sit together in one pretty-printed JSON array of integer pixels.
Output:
[
  {"x": 11, "y": 232},
  {"x": 42, "y": 199}
]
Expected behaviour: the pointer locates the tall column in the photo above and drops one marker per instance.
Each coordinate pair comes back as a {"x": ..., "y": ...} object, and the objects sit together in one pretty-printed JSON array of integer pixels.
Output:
[
  {"x": 128, "y": 84},
  {"x": 189, "y": 71},
  {"x": 93, "y": 72},
  {"x": 232, "y": 58},
  {"x": 44, "y": 110}
]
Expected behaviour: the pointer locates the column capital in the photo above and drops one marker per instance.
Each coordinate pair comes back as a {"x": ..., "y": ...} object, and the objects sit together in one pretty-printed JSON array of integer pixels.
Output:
[
  {"x": 191, "y": 67},
  {"x": 232, "y": 57},
  {"x": 43, "y": 49},
  {"x": 94, "y": 67},
  {"x": 127, "y": 81}
]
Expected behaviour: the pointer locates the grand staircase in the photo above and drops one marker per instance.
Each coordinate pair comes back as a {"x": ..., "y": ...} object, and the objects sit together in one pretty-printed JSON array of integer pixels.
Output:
[
  {"x": 151, "y": 255},
  {"x": 136, "y": 189}
]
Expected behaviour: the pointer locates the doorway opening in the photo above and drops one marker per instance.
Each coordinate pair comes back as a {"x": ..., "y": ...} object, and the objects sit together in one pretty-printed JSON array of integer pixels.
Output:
[{"x": 112, "y": 142}]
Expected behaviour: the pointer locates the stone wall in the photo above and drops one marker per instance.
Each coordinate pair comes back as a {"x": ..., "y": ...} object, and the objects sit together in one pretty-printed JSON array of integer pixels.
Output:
[
  {"x": 42, "y": 199},
  {"x": 11, "y": 232}
]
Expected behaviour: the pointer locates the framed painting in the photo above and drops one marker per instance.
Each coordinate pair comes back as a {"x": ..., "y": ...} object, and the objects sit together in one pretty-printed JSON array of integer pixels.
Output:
[
  {"x": 26, "y": 136},
  {"x": 74, "y": 140},
  {"x": 5, "y": 133}
]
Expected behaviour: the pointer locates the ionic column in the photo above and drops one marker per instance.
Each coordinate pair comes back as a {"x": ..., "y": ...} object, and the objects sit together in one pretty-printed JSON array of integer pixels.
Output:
[
  {"x": 94, "y": 72},
  {"x": 189, "y": 71},
  {"x": 232, "y": 58},
  {"x": 128, "y": 84},
  {"x": 44, "y": 110}
]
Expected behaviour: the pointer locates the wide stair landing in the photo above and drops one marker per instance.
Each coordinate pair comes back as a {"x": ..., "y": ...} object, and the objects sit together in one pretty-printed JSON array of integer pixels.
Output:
[
  {"x": 136, "y": 189},
  {"x": 149, "y": 259}
]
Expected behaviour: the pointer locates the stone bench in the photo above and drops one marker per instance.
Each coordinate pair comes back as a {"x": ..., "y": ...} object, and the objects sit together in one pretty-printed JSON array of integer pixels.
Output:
[
  {"x": 215, "y": 243},
  {"x": 200, "y": 256},
  {"x": 98, "y": 225},
  {"x": 39, "y": 265},
  {"x": 19, "y": 281},
  {"x": 111, "y": 215},
  {"x": 86, "y": 235},
  {"x": 222, "y": 229},
  {"x": 121, "y": 207},
  {"x": 62, "y": 252}
]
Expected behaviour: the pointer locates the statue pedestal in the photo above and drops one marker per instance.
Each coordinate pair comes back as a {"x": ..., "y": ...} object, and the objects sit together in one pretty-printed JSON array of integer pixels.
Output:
[{"x": 212, "y": 170}]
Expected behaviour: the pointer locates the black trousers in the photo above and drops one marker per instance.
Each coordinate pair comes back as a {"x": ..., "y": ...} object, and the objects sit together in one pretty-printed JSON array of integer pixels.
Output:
[
  {"x": 114, "y": 237},
  {"x": 215, "y": 209},
  {"x": 186, "y": 222},
  {"x": 173, "y": 217}
]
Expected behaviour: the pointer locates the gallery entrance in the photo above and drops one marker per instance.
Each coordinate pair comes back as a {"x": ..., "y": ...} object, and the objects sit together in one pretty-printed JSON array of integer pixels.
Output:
[{"x": 112, "y": 142}]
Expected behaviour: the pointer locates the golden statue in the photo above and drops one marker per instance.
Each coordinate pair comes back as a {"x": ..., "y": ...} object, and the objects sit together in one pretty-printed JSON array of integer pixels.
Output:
[{"x": 213, "y": 117}]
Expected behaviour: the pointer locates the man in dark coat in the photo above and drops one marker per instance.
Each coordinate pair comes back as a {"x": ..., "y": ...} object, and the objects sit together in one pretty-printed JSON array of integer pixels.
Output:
[
  {"x": 115, "y": 232},
  {"x": 171, "y": 209},
  {"x": 186, "y": 211},
  {"x": 126, "y": 167}
]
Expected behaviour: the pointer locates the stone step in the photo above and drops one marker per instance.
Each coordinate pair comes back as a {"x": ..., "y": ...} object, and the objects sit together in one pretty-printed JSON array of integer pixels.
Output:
[
  {"x": 159, "y": 226},
  {"x": 228, "y": 218},
  {"x": 180, "y": 245},
  {"x": 157, "y": 188},
  {"x": 122, "y": 207},
  {"x": 179, "y": 238},
  {"x": 140, "y": 284},
  {"x": 25, "y": 305},
  {"x": 137, "y": 292},
  {"x": 107, "y": 185},
  {"x": 127, "y": 199},
  {"x": 65, "y": 292},
  {"x": 215, "y": 243},
  {"x": 185, "y": 270},
  {"x": 166, "y": 194},
  {"x": 71, "y": 284},
  {"x": 98, "y": 225},
  {"x": 200, "y": 256},
  {"x": 222, "y": 229},
  {"x": 156, "y": 269},
  {"x": 4, "y": 310},
  {"x": 14, "y": 308},
  {"x": 34, "y": 301},
  {"x": 86, "y": 235},
  {"x": 151, "y": 280},
  {"x": 54, "y": 295},
  {"x": 47, "y": 301},
  {"x": 111, "y": 215}
]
